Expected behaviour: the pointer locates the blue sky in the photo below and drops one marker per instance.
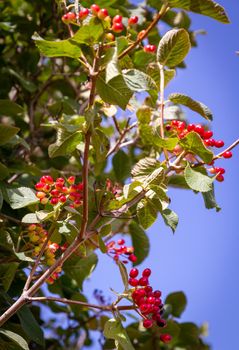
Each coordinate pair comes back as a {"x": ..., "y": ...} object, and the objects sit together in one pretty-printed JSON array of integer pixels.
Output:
[{"x": 202, "y": 257}]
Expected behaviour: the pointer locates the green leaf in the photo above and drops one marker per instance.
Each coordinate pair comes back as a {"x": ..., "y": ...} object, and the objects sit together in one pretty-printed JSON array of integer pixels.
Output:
[
  {"x": 124, "y": 274},
  {"x": 204, "y": 7},
  {"x": 114, "y": 92},
  {"x": 7, "y": 132},
  {"x": 195, "y": 106},
  {"x": 30, "y": 326},
  {"x": 64, "y": 145},
  {"x": 138, "y": 81},
  {"x": 198, "y": 181},
  {"x": 144, "y": 115},
  {"x": 170, "y": 218},
  {"x": 7, "y": 272},
  {"x": 146, "y": 213},
  {"x": 178, "y": 302},
  {"x": 30, "y": 218},
  {"x": 210, "y": 200},
  {"x": 155, "y": 178},
  {"x": 89, "y": 34},
  {"x": 61, "y": 48},
  {"x": 17, "y": 339},
  {"x": 189, "y": 334},
  {"x": 4, "y": 172},
  {"x": 114, "y": 330},
  {"x": 10, "y": 108},
  {"x": 168, "y": 143},
  {"x": 140, "y": 242},
  {"x": 21, "y": 197},
  {"x": 102, "y": 245},
  {"x": 1, "y": 199},
  {"x": 100, "y": 145},
  {"x": 193, "y": 143},
  {"x": 144, "y": 168},
  {"x": 26, "y": 84},
  {"x": 80, "y": 268},
  {"x": 173, "y": 47},
  {"x": 112, "y": 67},
  {"x": 121, "y": 165}
]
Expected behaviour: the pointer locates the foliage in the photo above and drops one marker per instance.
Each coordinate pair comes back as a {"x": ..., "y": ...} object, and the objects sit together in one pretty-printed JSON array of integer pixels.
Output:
[{"x": 76, "y": 170}]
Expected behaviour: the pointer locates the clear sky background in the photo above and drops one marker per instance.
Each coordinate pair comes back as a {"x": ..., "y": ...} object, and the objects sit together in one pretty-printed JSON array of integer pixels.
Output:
[{"x": 202, "y": 258}]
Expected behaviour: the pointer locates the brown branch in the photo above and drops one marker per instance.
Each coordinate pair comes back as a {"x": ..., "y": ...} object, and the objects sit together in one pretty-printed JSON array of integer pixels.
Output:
[
  {"x": 162, "y": 12},
  {"x": 37, "y": 261},
  {"x": 121, "y": 138},
  {"x": 80, "y": 303}
]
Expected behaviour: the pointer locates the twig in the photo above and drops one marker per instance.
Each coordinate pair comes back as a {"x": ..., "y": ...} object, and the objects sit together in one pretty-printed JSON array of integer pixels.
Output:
[
  {"x": 81, "y": 303},
  {"x": 162, "y": 12},
  {"x": 162, "y": 84},
  {"x": 121, "y": 138},
  {"x": 33, "y": 270}
]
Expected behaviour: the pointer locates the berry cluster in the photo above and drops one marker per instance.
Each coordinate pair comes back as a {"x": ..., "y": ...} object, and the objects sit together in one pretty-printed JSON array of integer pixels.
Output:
[
  {"x": 147, "y": 301},
  {"x": 181, "y": 129},
  {"x": 101, "y": 13},
  {"x": 37, "y": 236},
  {"x": 118, "y": 250},
  {"x": 59, "y": 191}
]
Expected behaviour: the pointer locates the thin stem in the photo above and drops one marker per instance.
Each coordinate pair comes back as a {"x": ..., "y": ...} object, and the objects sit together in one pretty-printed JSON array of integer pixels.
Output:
[
  {"x": 162, "y": 85},
  {"x": 37, "y": 261},
  {"x": 162, "y": 12},
  {"x": 81, "y": 303},
  {"x": 121, "y": 138}
]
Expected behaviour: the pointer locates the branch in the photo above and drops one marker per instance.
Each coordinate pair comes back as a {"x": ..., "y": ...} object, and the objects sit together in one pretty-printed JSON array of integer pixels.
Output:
[
  {"x": 162, "y": 12},
  {"x": 121, "y": 138},
  {"x": 109, "y": 308}
]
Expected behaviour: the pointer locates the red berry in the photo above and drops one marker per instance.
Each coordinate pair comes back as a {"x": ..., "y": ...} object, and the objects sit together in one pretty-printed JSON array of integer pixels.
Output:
[
  {"x": 60, "y": 180},
  {"x": 133, "y": 20},
  {"x": 83, "y": 13},
  {"x": 150, "y": 48},
  {"x": 54, "y": 201},
  {"x": 220, "y": 178},
  {"x": 117, "y": 19},
  {"x": 219, "y": 143},
  {"x": 102, "y": 14},
  {"x": 39, "y": 186},
  {"x": 165, "y": 338},
  {"x": 44, "y": 200},
  {"x": 71, "y": 180},
  {"x": 132, "y": 258},
  {"x": 191, "y": 127},
  {"x": 110, "y": 37},
  {"x": 121, "y": 241},
  {"x": 181, "y": 126},
  {"x": 40, "y": 195},
  {"x": 46, "y": 188},
  {"x": 141, "y": 292},
  {"x": 207, "y": 134},
  {"x": 117, "y": 27},
  {"x": 199, "y": 129},
  {"x": 207, "y": 143},
  {"x": 158, "y": 302},
  {"x": 151, "y": 300},
  {"x": 143, "y": 281},
  {"x": 148, "y": 289},
  {"x": 157, "y": 293},
  {"x": 133, "y": 282},
  {"x": 211, "y": 142},
  {"x": 69, "y": 17},
  {"x": 227, "y": 155},
  {"x": 95, "y": 9},
  {"x": 134, "y": 273},
  {"x": 62, "y": 199},
  {"x": 161, "y": 323},
  {"x": 55, "y": 193},
  {"x": 146, "y": 273},
  {"x": 148, "y": 323}
]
